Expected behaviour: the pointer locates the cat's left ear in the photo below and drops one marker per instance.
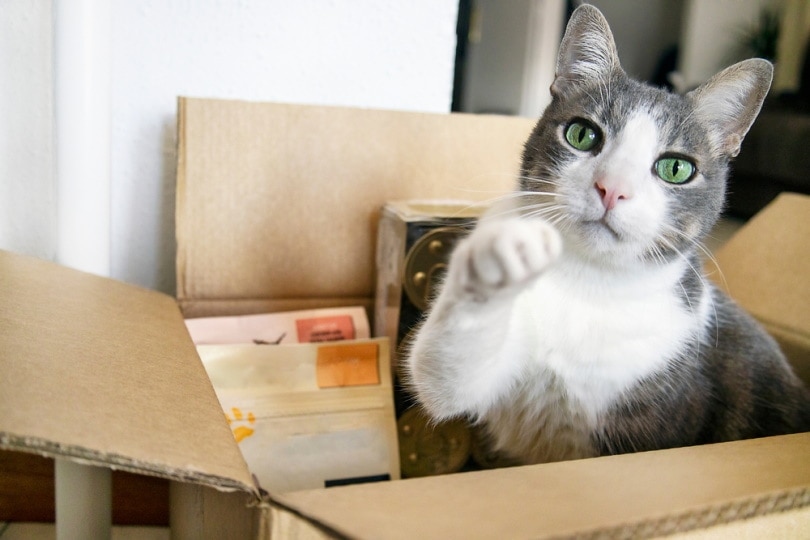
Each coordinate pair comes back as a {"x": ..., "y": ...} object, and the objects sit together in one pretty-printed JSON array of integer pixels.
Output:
[
  {"x": 730, "y": 101},
  {"x": 587, "y": 51}
]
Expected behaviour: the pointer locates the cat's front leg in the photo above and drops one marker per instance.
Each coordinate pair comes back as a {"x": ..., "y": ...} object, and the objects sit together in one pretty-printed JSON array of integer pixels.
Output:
[
  {"x": 467, "y": 354},
  {"x": 500, "y": 258}
]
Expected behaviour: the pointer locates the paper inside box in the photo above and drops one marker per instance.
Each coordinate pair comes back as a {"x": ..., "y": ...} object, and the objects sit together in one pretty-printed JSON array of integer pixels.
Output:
[
  {"x": 309, "y": 415},
  {"x": 282, "y": 328}
]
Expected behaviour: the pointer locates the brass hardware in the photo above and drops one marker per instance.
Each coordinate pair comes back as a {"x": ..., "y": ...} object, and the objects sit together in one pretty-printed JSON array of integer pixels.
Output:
[{"x": 426, "y": 263}]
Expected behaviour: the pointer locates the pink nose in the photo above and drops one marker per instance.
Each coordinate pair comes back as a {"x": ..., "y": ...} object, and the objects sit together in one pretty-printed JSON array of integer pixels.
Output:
[{"x": 611, "y": 193}]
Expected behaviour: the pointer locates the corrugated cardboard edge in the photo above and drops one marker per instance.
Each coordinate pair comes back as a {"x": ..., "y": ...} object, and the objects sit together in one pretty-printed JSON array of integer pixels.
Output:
[
  {"x": 180, "y": 205},
  {"x": 784, "y": 525},
  {"x": 291, "y": 522},
  {"x": 87, "y": 456},
  {"x": 681, "y": 515},
  {"x": 705, "y": 518}
]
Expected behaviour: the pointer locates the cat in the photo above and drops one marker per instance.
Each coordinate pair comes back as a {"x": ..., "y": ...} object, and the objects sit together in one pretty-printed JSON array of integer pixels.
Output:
[{"x": 574, "y": 321}]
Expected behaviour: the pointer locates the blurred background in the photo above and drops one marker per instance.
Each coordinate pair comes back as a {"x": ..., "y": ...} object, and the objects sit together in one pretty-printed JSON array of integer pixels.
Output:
[
  {"x": 100, "y": 79},
  {"x": 507, "y": 50}
]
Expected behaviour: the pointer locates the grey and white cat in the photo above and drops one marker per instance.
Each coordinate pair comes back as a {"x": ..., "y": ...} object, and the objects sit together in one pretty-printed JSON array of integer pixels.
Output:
[{"x": 577, "y": 321}]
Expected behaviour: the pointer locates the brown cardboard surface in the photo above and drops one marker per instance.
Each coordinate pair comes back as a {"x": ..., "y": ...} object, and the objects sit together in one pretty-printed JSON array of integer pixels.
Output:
[
  {"x": 766, "y": 269},
  {"x": 105, "y": 373},
  {"x": 202, "y": 513},
  {"x": 628, "y": 496},
  {"x": 277, "y": 205}
]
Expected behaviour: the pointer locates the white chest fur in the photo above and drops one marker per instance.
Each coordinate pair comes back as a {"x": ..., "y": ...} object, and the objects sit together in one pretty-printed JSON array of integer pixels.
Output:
[
  {"x": 583, "y": 338},
  {"x": 599, "y": 333}
]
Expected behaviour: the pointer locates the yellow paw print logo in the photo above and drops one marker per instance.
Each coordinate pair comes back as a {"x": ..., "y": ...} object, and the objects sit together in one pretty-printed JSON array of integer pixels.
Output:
[{"x": 243, "y": 428}]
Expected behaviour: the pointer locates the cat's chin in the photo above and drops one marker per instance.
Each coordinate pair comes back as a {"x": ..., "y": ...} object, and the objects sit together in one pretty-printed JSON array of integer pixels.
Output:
[
  {"x": 599, "y": 235},
  {"x": 601, "y": 230},
  {"x": 600, "y": 242}
]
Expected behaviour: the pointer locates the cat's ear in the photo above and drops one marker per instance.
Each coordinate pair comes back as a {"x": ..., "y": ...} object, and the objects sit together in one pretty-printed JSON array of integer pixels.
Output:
[
  {"x": 730, "y": 101},
  {"x": 587, "y": 51}
]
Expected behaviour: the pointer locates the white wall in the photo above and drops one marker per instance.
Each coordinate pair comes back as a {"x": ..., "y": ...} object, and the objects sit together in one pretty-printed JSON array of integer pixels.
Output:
[
  {"x": 27, "y": 193},
  {"x": 368, "y": 53}
]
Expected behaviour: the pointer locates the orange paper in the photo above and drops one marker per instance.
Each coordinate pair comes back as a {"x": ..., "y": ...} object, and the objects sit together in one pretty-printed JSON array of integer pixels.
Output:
[
  {"x": 352, "y": 364},
  {"x": 334, "y": 328}
]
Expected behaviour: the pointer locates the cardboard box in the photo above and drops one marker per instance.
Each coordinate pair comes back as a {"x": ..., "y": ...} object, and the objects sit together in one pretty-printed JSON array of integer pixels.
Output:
[
  {"x": 764, "y": 267},
  {"x": 105, "y": 373}
]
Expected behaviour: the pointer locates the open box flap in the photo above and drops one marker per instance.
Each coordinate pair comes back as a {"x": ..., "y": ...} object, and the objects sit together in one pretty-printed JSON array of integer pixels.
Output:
[
  {"x": 105, "y": 373},
  {"x": 765, "y": 268},
  {"x": 629, "y": 496},
  {"x": 277, "y": 205}
]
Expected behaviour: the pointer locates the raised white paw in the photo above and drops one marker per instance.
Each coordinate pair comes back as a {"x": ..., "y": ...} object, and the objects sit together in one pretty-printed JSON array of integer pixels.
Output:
[{"x": 503, "y": 255}]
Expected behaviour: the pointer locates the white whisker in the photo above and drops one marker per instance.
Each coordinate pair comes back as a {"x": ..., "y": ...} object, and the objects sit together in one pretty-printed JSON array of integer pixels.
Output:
[{"x": 700, "y": 277}]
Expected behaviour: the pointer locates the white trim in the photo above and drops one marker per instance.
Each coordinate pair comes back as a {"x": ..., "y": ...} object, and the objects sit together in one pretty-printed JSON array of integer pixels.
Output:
[
  {"x": 82, "y": 112},
  {"x": 83, "y": 500},
  {"x": 82, "y": 149},
  {"x": 545, "y": 27}
]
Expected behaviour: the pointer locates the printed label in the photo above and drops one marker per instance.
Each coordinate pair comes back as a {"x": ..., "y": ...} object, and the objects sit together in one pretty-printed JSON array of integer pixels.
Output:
[
  {"x": 325, "y": 329},
  {"x": 352, "y": 364}
]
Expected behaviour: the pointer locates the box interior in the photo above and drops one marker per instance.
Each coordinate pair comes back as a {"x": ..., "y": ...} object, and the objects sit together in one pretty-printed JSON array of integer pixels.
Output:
[{"x": 277, "y": 208}]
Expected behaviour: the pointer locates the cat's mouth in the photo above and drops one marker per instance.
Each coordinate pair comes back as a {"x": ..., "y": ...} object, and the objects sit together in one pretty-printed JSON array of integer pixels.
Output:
[{"x": 602, "y": 226}]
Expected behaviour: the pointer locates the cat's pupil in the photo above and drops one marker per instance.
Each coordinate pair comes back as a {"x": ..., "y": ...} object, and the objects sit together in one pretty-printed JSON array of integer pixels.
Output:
[
  {"x": 581, "y": 136},
  {"x": 675, "y": 170}
]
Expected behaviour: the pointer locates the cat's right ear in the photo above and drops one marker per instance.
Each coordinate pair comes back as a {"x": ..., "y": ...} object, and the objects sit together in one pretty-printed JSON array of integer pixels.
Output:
[
  {"x": 730, "y": 101},
  {"x": 587, "y": 51}
]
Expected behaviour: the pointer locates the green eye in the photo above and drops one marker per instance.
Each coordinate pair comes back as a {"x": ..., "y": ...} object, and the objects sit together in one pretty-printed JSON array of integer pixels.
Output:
[
  {"x": 581, "y": 136},
  {"x": 674, "y": 170}
]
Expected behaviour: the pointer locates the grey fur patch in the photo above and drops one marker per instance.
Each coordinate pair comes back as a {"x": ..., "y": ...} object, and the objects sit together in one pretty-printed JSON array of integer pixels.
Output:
[{"x": 732, "y": 384}]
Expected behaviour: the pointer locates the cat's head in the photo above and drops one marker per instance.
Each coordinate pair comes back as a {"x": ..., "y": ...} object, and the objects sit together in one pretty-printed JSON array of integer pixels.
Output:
[{"x": 627, "y": 171}]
